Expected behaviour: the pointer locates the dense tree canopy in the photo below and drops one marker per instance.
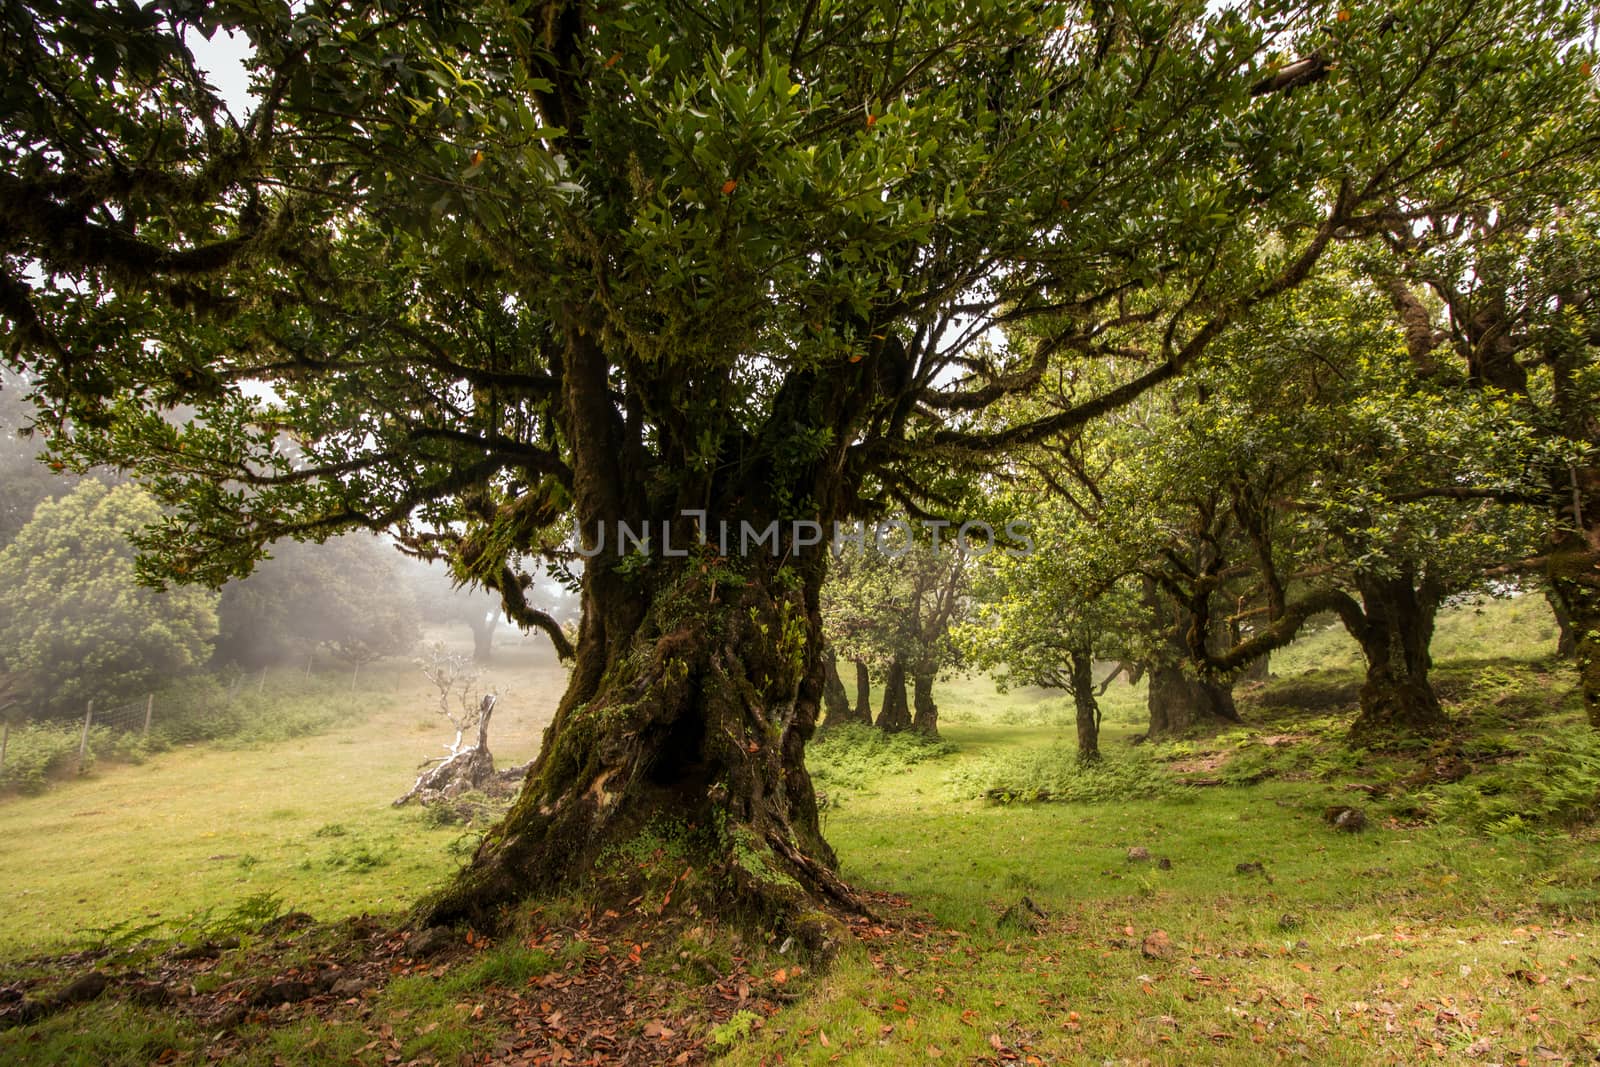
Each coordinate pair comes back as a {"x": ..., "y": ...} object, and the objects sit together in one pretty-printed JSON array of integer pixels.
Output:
[
  {"x": 500, "y": 271},
  {"x": 73, "y": 619}
]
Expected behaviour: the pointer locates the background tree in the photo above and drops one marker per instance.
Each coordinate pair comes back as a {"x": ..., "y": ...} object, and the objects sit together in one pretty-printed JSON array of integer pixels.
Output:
[
  {"x": 506, "y": 276},
  {"x": 1047, "y": 617},
  {"x": 893, "y": 611},
  {"x": 1363, "y": 487},
  {"x": 442, "y": 599},
  {"x": 73, "y": 617},
  {"x": 1508, "y": 302},
  {"x": 345, "y": 594}
]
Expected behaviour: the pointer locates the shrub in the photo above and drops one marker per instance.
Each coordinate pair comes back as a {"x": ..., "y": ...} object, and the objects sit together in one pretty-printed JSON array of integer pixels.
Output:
[
  {"x": 1056, "y": 773},
  {"x": 1556, "y": 784},
  {"x": 36, "y": 753},
  {"x": 853, "y": 755}
]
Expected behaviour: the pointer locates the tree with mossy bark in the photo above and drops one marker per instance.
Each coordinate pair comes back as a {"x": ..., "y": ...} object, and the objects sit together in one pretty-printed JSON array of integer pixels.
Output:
[
  {"x": 1509, "y": 303},
  {"x": 507, "y": 276},
  {"x": 1364, "y": 487}
]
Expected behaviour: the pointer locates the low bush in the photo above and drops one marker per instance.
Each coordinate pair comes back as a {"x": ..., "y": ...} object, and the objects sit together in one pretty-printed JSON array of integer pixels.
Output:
[
  {"x": 1555, "y": 784},
  {"x": 202, "y": 709},
  {"x": 854, "y": 755},
  {"x": 1056, "y": 773}
]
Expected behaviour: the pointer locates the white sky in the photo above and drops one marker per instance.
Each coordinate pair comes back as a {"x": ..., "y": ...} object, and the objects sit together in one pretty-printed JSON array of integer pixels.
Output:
[{"x": 223, "y": 58}]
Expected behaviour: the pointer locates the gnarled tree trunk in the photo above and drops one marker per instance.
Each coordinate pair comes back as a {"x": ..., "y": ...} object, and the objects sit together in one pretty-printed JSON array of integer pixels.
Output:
[
  {"x": 685, "y": 720},
  {"x": 895, "y": 714},
  {"x": 1397, "y": 629},
  {"x": 1179, "y": 701},
  {"x": 1182, "y": 699},
  {"x": 926, "y": 713}
]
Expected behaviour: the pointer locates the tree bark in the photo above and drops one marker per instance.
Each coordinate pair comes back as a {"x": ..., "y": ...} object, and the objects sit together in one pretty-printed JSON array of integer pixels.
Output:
[
  {"x": 1574, "y": 561},
  {"x": 863, "y": 693},
  {"x": 1083, "y": 696},
  {"x": 926, "y": 718},
  {"x": 834, "y": 700},
  {"x": 895, "y": 714},
  {"x": 1179, "y": 701},
  {"x": 1574, "y": 573},
  {"x": 1398, "y": 695}
]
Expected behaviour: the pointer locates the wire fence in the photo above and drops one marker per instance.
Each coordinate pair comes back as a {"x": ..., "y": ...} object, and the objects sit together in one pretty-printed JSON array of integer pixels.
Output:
[{"x": 130, "y": 723}]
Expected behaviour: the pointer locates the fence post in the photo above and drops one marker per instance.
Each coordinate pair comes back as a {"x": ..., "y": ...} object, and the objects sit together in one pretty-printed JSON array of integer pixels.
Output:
[
  {"x": 261, "y": 686},
  {"x": 354, "y": 675},
  {"x": 149, "y": 707},
  {"x": 83, "y": 742},
  {"x": 5, "y": 739},
  {"x": 309, "y": 658}
]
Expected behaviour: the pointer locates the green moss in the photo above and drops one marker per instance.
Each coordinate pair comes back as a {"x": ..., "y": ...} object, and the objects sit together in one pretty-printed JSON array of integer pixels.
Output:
[{"x": 751, "y": 857}]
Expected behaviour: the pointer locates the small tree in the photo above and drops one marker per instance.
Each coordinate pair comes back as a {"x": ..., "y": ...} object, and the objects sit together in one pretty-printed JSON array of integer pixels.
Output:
[{"x": 74, "y": 617}]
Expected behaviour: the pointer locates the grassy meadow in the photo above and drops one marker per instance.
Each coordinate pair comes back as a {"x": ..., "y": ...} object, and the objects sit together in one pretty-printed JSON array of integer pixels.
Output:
[
  {"x": 193, "y": 831},
  {"x": 1458, "y": 928}
]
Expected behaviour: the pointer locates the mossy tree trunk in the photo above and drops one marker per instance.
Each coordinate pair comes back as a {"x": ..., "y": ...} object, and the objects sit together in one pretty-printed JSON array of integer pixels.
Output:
[
  {"x": 894, "y": 715},
  {"x": 697, "y": 682},
  {"x": 1182, "y": 695},
  {"x": 1395, "y": 630},
  {"x": 687, "y": 714},
  {"x": 1179, "y": 701},
  {"x": 925, "y": 717}
]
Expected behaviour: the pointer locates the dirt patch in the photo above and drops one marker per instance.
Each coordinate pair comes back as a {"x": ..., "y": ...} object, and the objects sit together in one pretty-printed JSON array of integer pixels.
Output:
[{"x": 1207, "y": 763}]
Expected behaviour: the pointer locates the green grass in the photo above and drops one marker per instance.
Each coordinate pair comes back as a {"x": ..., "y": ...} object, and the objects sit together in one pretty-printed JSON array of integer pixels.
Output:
[
  {"x": 1445, "y": 933},
  {"x": 206, "y": 824},
  {"x": 1411, "y": 941}
]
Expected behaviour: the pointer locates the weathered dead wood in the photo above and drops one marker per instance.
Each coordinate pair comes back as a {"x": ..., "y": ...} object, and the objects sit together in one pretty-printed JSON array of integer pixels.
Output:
[{"x": 463, "y": 770}]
